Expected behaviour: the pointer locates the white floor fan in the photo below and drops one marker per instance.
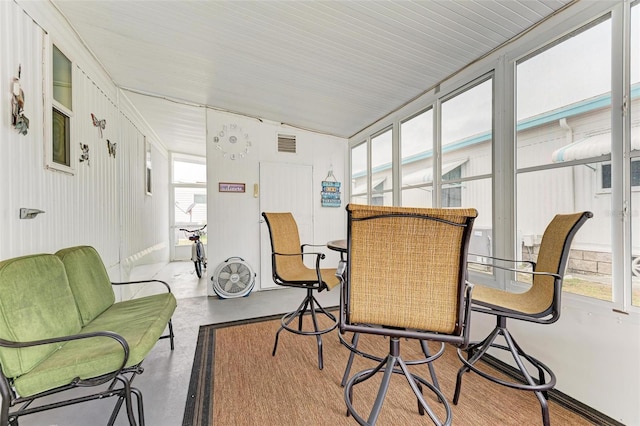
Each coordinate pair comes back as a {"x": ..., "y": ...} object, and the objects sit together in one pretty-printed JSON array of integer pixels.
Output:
[{"x": 233, "y": 278}]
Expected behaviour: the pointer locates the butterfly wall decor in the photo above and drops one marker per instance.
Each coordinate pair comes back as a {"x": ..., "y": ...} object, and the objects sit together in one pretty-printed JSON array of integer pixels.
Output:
[
  {"x": 85, "y": 153},
  {"x": 100, "y": 124},
  {"x": 111, "y": 148}
]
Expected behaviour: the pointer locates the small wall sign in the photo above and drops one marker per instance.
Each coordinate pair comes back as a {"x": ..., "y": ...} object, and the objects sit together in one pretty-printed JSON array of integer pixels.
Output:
[
  {"x": 230, "y": 187},
  {"x": 330, "y": 195}
]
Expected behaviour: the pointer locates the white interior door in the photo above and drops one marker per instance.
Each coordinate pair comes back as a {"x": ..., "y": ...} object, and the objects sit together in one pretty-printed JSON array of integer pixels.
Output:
[{"x": 284, "y": 188}]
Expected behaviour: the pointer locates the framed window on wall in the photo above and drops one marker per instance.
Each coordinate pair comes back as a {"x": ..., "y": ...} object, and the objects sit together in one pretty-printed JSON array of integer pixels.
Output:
[
  {"x": 58, "y": 147},
  {"x": 148, "y": 187}
]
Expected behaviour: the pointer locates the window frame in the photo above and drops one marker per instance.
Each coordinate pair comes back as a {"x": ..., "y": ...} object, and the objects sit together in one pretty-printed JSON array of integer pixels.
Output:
[
  {"x": 382, "y": 194},
  {"x": 50, "y": 104},
  {"x": 148, "y": 167},
  {"x": 635, "y": 187},
  {"x": 173, "y": 185},
  {"x": 503, "y": 62},
  {"x": 353, "y": 195},
  {"x": 589, "y": 162},
  {"x": 426, "y": 186},
  {"x": 439, "y": 182}
]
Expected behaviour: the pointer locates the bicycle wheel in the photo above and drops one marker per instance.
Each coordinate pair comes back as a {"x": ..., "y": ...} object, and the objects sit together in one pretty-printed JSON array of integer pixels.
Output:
[
  {"x": 200, "y": 254},
  {"x": 198, "y": 266}
]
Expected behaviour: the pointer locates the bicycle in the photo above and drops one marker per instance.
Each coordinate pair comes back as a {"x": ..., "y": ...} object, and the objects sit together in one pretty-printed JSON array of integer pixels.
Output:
[{"x": 198, "y": 255}]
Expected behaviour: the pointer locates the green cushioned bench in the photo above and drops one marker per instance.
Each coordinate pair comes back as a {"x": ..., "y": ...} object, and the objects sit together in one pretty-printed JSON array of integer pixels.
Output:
[{"x": 61, "y": 328}]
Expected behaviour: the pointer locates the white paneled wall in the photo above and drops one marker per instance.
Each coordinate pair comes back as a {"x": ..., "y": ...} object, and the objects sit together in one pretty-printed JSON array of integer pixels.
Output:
[
  {"x": 19, "y": 183},
  {"x": 103, "y": 203},
  {"x": 234, "y": 218},
  {"x": 145, "y": 218}
]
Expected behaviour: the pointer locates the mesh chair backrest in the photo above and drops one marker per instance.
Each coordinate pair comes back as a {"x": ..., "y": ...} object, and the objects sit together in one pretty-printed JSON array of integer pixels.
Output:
[
  {"x": 406, "y": 266},
  {"x": 552, "y": 257},
  {"x": 285, "y": 240}
]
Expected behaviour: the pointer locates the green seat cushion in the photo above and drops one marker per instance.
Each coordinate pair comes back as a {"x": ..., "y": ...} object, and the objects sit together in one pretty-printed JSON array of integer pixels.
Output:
[
  {"x": 140, "y": 321},
  {"x": 36, "y": 303},
  {"x": 89, "y": 281}
]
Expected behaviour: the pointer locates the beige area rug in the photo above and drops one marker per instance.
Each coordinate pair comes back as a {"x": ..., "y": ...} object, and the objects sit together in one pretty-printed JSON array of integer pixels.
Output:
[{"x": 236, "y": 381}]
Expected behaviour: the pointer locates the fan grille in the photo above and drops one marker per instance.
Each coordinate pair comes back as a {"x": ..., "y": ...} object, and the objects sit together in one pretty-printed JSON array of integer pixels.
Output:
[{"x": 233, "y": 278}]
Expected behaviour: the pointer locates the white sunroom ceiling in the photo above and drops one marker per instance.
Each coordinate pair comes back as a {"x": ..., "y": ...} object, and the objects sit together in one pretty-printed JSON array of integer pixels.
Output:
[{"x": 330, "y": 66}]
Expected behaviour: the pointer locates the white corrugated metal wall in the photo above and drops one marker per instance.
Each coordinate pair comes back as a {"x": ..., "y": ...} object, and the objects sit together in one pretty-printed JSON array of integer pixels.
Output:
[
  {"x": 103, "y": 203},
  {"x": 19, "y": 184}
]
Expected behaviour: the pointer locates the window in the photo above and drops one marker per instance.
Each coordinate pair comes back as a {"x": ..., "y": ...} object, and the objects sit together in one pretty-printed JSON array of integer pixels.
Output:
[
  {"x": 570, "y": 148},
  {"x": 380, "y": 178},
  {"x": 62, "y": 92},
  {"x": 59, "y": 150},
  {"x": 416, "y": 146},
  {"x": 382, "y": 169},
  {"x": 634, "y": 157},
  {"x": 452, "y": 192},
  {"x": 605, "y": 175},
  {"x": 188, "y": 169},
  {"x": 189, "y": 183},
  {"x": 61, "y": 138},
  {"x": 467, "y": 146},
  {"x": 563, "y": 139},
  {"x": 148, "y": 172},
  {"x": 359, "y": 174}
]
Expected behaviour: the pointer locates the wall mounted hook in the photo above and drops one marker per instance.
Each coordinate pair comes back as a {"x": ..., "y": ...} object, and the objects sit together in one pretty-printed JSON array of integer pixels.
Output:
[{"x": 29, "y": 213}]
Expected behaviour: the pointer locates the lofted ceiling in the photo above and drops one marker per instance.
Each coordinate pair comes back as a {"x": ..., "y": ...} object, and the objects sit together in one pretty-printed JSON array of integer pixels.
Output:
[{"x": 333, "y": 67}]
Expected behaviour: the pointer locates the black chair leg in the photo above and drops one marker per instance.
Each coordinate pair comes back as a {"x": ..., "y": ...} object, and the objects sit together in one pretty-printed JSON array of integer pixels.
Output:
[
  {"x": 125, "y": 397},
  {"x": 311, "y": 305},
  {"x": 347, "y": 369},
  {"x": 302, "y": 312},
  {"x": 432, "y": 371},
  {"x": 535, "y": 363},
  {"x": 4, "y": 411},
  {"x": 391, "y": 364},
  {"x": 526, "y": 382},
  {"x": 478, "y": 350},
  {"x": 354, "y": 344},
  {"x": 140, "y": 405},
  {"x": 275, "y": 344},
  {"x": 544, "y": 405},
  {"x": 287, "y": 319},
  {"x": 171, "y": 335},
  {"x": 420, "y": 408},
  {"x": 531, "y": 384},
  {"x": 312, "y": 308}
]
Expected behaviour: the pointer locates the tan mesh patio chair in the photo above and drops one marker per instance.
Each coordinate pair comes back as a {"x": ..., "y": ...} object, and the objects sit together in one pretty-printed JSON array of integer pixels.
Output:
[
  {"x": 405, "y": 278},
  {"x": 289, "y": 270},
  {"x": 539, "y": 304}
]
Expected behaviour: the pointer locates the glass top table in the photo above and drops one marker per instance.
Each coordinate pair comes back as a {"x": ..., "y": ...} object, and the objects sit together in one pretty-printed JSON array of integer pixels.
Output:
[{"x": 338, "y": 245}]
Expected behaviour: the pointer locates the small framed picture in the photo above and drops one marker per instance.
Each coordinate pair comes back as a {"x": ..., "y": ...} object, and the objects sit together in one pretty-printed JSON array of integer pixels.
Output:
[{"x": 230, "y": 187}]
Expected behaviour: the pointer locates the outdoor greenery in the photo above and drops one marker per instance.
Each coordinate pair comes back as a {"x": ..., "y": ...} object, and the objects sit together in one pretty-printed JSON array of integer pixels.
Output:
[
  {"x": 596, "y": 287},
  {"x": 597, "y": 290}
]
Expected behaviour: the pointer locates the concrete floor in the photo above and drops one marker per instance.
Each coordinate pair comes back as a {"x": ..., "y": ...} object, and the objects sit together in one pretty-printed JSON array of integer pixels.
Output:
[{"x": 166, "y": 374}]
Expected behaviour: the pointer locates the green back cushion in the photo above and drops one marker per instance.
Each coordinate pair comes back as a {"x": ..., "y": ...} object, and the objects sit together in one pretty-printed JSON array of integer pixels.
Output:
[
  {"x": 89, "y": 281},
  {"x": 35, "y": 303}
]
